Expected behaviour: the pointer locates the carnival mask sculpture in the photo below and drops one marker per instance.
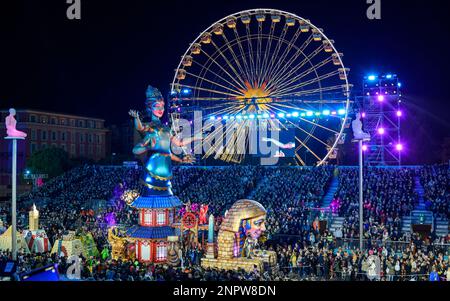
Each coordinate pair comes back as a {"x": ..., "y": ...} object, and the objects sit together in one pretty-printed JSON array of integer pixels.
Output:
[{"x": 254, "y": 227}]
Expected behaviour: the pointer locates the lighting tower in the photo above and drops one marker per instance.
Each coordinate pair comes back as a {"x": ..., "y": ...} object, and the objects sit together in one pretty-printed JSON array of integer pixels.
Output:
[{"x": 382, "y": 114}]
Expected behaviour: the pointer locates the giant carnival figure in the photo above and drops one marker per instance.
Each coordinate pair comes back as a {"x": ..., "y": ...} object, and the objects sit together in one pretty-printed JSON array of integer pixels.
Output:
[
  {"x": 157, "y": 141},
  {"x": 153, "y": 238}
]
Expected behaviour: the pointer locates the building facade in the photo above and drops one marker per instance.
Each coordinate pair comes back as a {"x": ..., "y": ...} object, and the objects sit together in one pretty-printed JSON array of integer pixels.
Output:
[{"x": 81, "y": 137}]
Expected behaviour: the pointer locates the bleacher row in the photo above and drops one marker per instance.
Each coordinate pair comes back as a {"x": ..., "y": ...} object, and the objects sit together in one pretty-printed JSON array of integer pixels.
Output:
[{"x": 390, "y": 194}]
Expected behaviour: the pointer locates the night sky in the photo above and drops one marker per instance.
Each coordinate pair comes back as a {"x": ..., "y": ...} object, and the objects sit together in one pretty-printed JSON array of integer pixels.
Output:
[{"x": 100, "y": 65}]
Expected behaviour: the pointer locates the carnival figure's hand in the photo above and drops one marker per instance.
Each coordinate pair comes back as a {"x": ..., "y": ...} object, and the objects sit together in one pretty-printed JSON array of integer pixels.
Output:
[
  {"x": 188, "y": 159},
  {"x": 134, "y": 113}
]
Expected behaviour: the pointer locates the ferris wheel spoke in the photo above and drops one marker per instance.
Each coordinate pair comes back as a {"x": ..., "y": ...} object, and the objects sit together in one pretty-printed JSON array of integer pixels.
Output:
[
  {"x": 306, "y": 83},
  {"x": 227, "y": 61},
  {"x": 213, "y": 82},
  {"x": 309, "y": 134},
  {"x": 301, "y": 75},
  {"x": 220, "y": 105},
  {"x": 230, "y": 48},
  {"x": 286, "y": 51},
  {"x": 258, "y": 53},
  {"x": 275, "y": 53},
  {"x": 310, "y": 92},
  {"x": 217, "y": 75},
  {"x": 266, "y": 53},
  {"x": 215, "y": 147},
  {"x": 250, "y": 51},
  {"x": 306, "y": 132},
  {"x": 210, "y": 90},
  {"x": 216, "y": 107},
  {"x": 293, "y": 70},
  {"x": 299, "y": 159},
  {"x": 274, "y": 74},
  {"x": 280, "y": 105},
  {"x": 241, "y": 50},
  {"x": 276, "y": 71},
  {"x": 302, "y": 143},
  {"x": 223, "y": 69},
  {"x": 224, "y": 111}
]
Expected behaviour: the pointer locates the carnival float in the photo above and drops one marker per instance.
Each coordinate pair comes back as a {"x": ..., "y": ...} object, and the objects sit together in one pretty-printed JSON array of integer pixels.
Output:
[{"x": 155, "y": 237}]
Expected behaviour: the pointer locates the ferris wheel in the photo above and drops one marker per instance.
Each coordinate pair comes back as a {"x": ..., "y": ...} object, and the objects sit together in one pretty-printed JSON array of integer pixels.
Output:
[{"x": 269, "y": 66}]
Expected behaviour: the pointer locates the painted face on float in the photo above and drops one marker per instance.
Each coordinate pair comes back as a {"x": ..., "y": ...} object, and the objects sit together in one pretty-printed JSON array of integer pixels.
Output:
[
  {"x": 158, "y": 108},
  {"x": 255, "y": 226}
]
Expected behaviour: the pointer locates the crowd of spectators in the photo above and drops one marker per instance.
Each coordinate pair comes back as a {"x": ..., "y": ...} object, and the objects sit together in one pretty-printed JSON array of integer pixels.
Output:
[
  {"x": 388, "y": 196},
  {"x": 435, "y": 181},
  {"x": 70, "y": 202}
]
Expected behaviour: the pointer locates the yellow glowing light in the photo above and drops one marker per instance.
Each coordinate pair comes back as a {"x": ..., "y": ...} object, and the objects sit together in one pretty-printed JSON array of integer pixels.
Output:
[
  {"x": 129, "y": 196},
  {"x": 256, "y": 95}
]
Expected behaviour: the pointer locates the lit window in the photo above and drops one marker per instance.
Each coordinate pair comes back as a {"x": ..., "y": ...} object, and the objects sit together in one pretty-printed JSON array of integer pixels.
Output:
[
  {"x": 148, "y": 217},
  {"x": 161, "y": 220},
  {"x": 161, "y": 252}
]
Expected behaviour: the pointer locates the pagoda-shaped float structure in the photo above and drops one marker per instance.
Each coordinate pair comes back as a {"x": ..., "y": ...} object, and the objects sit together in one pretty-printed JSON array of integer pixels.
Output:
[
  {"x": 157, "y": 214},
  {"x": 157, "y": 204}
]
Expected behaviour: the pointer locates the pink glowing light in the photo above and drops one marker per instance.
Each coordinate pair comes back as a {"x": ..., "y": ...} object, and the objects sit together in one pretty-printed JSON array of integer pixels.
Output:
[
  {"x": 399, "y": 147},
  {"x": 364, "y": 148},
  {"x": 363, "y": 115},
  {"x": 380, "y": 98},
  {"x": 381, "y": 131},
  {"x": 399, "y": 113}
]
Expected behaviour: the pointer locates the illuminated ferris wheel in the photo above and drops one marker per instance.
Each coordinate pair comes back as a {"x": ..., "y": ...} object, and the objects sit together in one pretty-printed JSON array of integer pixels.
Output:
[{"x": 270, "y": 66}]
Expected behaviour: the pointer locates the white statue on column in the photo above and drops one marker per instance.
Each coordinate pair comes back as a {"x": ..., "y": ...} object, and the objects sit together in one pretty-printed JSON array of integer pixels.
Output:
[
  {"x": 358, "y": 132},
  {"x": 11, "y": 123}
]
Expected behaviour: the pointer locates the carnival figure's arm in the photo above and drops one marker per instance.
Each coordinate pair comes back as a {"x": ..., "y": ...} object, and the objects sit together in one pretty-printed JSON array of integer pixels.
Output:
[
  {"x": 147, "y": 143},
  {"x": 139, "y": 149},
  {"x": 279, "y": 144},
  {"x": 186, "y": 159},
  {"x": 137, "y": 120},
  {"x": 184, "y": 141}
]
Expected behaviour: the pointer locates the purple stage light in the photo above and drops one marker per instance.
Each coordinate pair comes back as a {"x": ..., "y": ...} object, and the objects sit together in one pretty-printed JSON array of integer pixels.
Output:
[
  {"x": 380, "y": 98},
  {"x": 381, "y": 131},
  {"x": 110, "y": 219},
  {"x": 399, "y": 147},
  {"x": 364, "y": 148},
  {"x": 363, "y": 115},
  {"x": 399, "y": 113}
]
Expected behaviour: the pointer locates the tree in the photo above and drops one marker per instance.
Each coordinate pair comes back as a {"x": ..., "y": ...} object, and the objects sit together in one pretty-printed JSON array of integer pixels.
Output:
[{"x": 52, "y": 161}]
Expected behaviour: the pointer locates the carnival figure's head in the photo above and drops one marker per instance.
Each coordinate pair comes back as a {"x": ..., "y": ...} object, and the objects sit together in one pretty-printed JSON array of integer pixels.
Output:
[
  {"x": 248, "y": 216},
  {"x": 12, "y": 112},
  {"x": 254, "y": 227},
  {"x": 154, "y": 102}
]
